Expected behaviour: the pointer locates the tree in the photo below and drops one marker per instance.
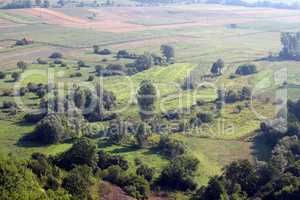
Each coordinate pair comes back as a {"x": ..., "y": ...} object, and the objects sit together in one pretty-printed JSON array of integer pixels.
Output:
[
  {"x": 171, "y": 147},
  {"x": 46, "y": 4},
  {"x": 167, "y": 51},
  {"x": 96, "y": 48},
  {"x": 2, "y": 75},
  {"x": 56, "y": 55},
  {"x": 290, "y": 43},
  {"x": 56, "y": 128},
  {"x": 16, "y": 76},
  {"x": 143, "y": 62},
  {"x": 99, "y": 70},
  {"x": 18, "y": 182},
  {"x": 83, "y": 152},
  {"x": 78, "y": 181},
  {"x": 143, "y": 132},
  {"x": 178, "y": 174},
  {"x": 246, "y": 69},
  {"x": 146, "y": 97},
  {"x": 106, "y": 160},
  {"x": 145, "y": 172},
  {"x": 217, "y": 67},
  {"x": 22, "y": 65}
]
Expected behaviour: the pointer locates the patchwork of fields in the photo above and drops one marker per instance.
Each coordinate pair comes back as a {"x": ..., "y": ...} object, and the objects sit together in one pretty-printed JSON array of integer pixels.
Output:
[{"x": 200, "y": 35}]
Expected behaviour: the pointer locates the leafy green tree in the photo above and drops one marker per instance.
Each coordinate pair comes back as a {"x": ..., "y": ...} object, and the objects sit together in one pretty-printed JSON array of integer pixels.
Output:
[
  {"x": 145, "y": 172},
  {"x": 146, "y": 97},
  {"x": 171, "y": 147},
  {"x": 106, "y": 160},
  {"x": 217, "y": 67},
  {"x": 2, "y": 75},
  {"x": 18, "y": 182},
  {"x": 142, "y": 133},
  {"x": 246, "y": 69},
  {"x": 56, "y": 128},
  {"x": 16, "y": 76},
  {"x": 83, "y": 152},
  {"x": 178, "y": 174},
  {"x": 78, "y": 181},
  {"x": 168, "y": 51}
]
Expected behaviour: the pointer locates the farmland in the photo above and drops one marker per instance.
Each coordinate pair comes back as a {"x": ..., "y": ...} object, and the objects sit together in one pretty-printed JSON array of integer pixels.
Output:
[{"x": 200, "y": 35}]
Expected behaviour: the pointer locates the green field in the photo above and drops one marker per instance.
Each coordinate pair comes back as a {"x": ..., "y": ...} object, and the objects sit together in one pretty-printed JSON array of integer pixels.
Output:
[{"x": 196, "y": 46}]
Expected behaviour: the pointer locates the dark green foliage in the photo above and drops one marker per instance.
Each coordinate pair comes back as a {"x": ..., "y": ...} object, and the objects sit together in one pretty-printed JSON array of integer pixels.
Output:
[
  {"x": 246, "y": 93},
  {"x": 104, "y": 52},
  {"x": 2, "y": 75},
  {"x": 117, "y": 131},
  {"x": 22, "y": 91},
  {"x": 146, "y": 97},
  {"x": 168, "y": 51},
  {"x": 146, "y": 172},
  {"x": 217, "y": 67},
  {"x": 171, "y": 147},
  {"x": 56, "y": 128},
  {"x": 126, "y": 54},
  {"x": 18, "y": 182},
  {"x": 290, "y": 43},
  {"x": 143, "y": 62},
  {"x": 246, "y": 69},
  {"x": 78, "y": 181},
  {"x": 142, "y": 133},
  {"x": 205, "y": 117},
  {"x": 16, "y": 76},
  {"x": 105, "y": 160},
  {"x": 83, "y": 152},
  {"x": 135, "y": 186},
  {"x": 8, "y": 105},
  {"x": 91, "y": 78},
  {"x": 56, "y": 55},
  {"x": 178, "y": 174}
]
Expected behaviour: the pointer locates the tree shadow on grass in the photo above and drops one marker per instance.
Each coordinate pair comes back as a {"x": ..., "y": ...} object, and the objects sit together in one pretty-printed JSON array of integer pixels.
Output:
[
  {"x": 28, "y": 141},
  {"x": 125, "y": 149}
]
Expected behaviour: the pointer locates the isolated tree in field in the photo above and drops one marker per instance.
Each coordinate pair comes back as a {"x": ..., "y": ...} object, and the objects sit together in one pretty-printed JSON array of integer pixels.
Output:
[
  {"x": 168, "y": 51},
  {"x": 15, "y": 76},
  {"x": 217, "y": 67},
  {"x": 146, "y": 97},
  {"x": 96, "y": 48},
  {"x": 56, "y": 55},
  {"x": 99, "y": 69},
  {"x": 46, "y": 4},
  {"x": 143, "y": 62},
  {"x": 22, "y": 65},
  {"x": 246, "y": 69}
]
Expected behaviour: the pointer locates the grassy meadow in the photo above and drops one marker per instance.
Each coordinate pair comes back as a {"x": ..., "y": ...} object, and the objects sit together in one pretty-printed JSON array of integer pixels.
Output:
[{"x": 197, "y": 44}]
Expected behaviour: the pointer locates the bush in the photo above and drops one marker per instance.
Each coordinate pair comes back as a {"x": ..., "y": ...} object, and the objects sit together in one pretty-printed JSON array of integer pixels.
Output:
[
  {"x": 91, "y": 78},
  {"x": 56, "y": 55},
  {"x": 57, "y": 62},
  {"x": 8, "y": 104},
  {"x": 16, "y": 76},
  {"x": 205, "y": 117},
  {"x": 106, "y": 160},
  {"x": 78, "y": 181},
  {"x": 83, "y": 152},
  {"x": 145, "y": 172},
  {"x": 2, "y": 75},
  {"x": 178, "y": 174},
  {"x": 56, "y": 128},
  {"x": 22, "y": 91},
  {"x": 246, "y": 69},
  {"x": 104, "y": 52},
  {"x": 171, "y": 147}
]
